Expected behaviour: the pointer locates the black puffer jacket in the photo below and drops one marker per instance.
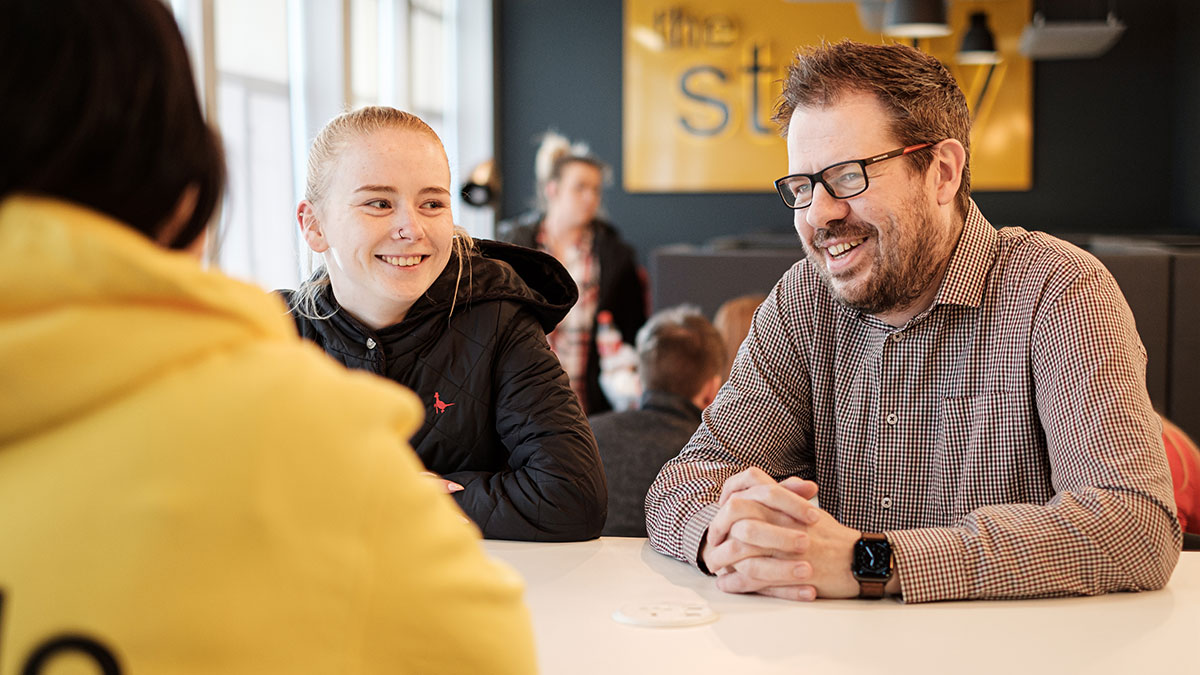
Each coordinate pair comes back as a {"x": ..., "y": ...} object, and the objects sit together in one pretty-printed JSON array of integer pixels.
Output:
[
  {"x": 621, "y": 289},
  {"x": 501, "y": 419}
]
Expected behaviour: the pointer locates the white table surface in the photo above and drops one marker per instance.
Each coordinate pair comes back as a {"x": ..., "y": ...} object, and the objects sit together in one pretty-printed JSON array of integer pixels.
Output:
[{"x": 573, "y": 590}]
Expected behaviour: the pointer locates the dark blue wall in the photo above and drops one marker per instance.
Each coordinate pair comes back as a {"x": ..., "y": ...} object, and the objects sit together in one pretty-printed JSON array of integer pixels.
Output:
[
  {"x": 1185, "y": 144},
  {"x": 1115, "y": 138}
]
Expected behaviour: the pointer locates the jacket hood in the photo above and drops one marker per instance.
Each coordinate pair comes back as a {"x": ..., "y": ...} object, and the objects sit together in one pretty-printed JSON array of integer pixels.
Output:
[
  {"x": 94, "y": 311},
  {"x": 495, "y": 271}
]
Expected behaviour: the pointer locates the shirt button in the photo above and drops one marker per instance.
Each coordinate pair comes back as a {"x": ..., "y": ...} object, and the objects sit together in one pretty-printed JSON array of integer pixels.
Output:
[
  {"x": 370, "y": 343},
  {"x": 892, "y": 419},
  {"x": 896, "y": 337},
  {"x": 886, "y": 502}
]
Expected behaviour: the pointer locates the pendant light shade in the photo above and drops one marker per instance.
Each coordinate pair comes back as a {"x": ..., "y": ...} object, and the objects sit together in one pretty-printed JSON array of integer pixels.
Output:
[
  {"x": 978, "y": 44},
  {"x": 1045, "y": 40},
  {"x": 916, "y": 19}
]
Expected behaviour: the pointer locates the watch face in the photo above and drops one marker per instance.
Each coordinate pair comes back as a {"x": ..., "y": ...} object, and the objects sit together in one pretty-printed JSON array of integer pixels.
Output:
[{"x": 872, "y": 560}]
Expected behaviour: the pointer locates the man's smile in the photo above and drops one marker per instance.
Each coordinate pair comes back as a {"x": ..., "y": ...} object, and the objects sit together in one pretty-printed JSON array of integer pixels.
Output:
[{"x": 840, "y": 249}]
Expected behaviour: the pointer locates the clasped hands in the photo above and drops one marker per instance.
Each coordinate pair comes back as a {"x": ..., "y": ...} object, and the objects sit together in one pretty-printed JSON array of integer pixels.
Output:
[{"x": 769, "y": 538}]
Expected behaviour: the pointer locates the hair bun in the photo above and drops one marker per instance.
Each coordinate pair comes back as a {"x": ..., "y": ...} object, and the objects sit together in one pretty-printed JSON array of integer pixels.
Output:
[{"x": 555, "y": 146}]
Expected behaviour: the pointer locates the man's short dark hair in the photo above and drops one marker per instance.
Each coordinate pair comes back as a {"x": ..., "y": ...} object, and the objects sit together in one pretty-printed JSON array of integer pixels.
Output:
[
  {"x": 679, "y": 351},
  {"x": 920, "y": 94},
  {"x": 100, "y": 108}
]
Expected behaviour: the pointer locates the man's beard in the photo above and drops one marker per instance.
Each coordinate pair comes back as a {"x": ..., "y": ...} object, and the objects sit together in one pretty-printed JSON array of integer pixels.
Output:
[{"x": 903, "y": 266}]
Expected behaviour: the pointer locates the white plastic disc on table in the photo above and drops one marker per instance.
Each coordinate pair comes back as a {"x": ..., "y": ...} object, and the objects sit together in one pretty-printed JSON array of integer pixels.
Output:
[{"x": 665, "y": 614}]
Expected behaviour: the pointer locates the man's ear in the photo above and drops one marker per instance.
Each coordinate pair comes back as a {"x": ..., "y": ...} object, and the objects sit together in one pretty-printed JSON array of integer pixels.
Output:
[
  {"x": 708, "y": 393},
  {"x": 949, "y": 160},
  {"x": 310, "y": 227},
  {"x": 551, "y": 190}
]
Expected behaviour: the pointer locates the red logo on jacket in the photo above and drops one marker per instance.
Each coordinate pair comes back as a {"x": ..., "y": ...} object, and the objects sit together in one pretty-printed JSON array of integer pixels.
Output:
[{"x": 439, "y": 406}]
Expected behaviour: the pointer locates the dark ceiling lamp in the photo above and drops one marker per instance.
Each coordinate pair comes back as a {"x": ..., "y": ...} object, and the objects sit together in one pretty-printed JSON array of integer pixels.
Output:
[
  {"x": 916, "y": 19},
  {"x": 978, "y": 44}
]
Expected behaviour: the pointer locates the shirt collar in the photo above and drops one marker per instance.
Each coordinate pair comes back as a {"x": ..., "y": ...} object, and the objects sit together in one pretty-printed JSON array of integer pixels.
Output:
[{"x": 972, "y": 259}]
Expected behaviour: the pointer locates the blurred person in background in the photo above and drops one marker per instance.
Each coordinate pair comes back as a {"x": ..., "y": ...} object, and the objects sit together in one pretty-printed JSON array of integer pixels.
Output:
[
  {"x": 733, "y": 319},
  {"x": 407, "y": 295},
  {"x": 185, "y": 485},
  {"x": 681, "y": 362},
  {"x": 603, "y": 266},
  {"x": 1184, "y": 458}
]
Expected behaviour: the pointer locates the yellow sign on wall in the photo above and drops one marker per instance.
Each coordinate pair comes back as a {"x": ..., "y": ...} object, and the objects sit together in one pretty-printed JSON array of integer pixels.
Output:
[{"x": 702, "y": 79}]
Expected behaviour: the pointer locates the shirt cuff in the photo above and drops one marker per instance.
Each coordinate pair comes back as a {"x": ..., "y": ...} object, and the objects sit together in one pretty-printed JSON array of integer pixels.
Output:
[
  {"x": 693, "y": 535},
  {"x": 931, "y": 564}
]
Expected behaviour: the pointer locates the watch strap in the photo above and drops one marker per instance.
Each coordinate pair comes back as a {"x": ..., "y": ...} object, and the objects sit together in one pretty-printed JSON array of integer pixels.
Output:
[{"x": 871, "y": 589}]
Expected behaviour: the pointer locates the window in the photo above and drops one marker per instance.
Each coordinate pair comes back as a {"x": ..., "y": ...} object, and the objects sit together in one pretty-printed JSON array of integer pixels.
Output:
[
  {"x": 257, "y": 239},
  {"x": 272, "y": 72}
]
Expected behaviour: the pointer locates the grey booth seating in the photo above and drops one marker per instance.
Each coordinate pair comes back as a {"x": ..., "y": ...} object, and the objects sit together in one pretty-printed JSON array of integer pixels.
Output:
[{"x": 1161, "y": 282}]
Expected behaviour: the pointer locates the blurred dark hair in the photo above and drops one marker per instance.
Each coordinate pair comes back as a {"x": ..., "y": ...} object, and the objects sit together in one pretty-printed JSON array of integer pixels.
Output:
[{"x": 99, "y": 107}]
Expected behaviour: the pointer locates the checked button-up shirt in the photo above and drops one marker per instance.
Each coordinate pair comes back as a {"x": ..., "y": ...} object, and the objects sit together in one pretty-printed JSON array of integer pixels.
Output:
[{"x": 1003, "y": 439}]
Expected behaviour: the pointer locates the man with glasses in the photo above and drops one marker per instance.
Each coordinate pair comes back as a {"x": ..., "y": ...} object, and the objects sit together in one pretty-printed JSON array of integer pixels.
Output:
[{"x": 971, "y": 402}]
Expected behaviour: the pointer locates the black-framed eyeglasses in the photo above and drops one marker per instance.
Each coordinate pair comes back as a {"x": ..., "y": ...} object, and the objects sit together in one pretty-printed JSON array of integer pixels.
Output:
[{"x": 842, "y": 180}]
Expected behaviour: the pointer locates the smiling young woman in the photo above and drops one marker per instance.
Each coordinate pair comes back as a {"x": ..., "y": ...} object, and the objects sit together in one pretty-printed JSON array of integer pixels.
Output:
[{"x": 405, "y": 294}]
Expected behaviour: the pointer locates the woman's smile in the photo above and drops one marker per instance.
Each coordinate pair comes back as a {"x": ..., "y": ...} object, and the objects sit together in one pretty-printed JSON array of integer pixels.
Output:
[{"x": 402, "y": 261}]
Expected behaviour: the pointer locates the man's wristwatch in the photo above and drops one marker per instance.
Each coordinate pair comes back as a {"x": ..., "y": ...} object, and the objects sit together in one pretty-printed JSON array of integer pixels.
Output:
[{"x": 872, "y": 564}]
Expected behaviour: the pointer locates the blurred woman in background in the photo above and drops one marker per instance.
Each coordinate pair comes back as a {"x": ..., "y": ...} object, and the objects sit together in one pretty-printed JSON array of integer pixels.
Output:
[{"x": 603, "y": 266}]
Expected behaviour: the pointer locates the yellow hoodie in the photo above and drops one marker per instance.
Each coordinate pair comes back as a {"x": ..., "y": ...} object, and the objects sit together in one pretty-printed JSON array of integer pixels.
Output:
[{"x": 187, "y": 487}]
